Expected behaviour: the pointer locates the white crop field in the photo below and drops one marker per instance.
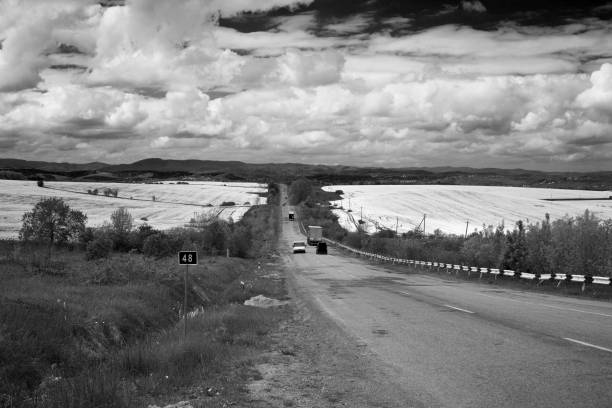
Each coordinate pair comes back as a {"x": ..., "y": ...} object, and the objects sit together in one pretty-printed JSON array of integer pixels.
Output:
[
  {"x": 448, "y": 208},
  {"x": 174, "y": 205}
]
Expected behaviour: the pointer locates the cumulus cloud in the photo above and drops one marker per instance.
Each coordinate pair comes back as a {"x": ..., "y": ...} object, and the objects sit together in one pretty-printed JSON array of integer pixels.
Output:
[
  {"x": 166, "y": 78},
  {"x": 308, "y": 69},
  {"x": 474, "y": 6},
  {"x": 599, "y": 95},
  {"x": 29, "y": 30}
]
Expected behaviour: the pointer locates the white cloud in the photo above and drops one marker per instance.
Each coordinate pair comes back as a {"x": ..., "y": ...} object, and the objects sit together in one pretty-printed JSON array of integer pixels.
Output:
[
  {"x": 308, "y": 69},
  {"x": 599, "y": 95},
  {"x": 166, "y": 76},
  {"x": 474, "y": 6}
]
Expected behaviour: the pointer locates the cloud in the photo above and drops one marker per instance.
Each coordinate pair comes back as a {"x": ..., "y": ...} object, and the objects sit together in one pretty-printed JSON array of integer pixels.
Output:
[
  {"x": 308, "y": 69},
  {"x": 599, "y": 95},
  {"x": 473, "y": 6},
  {"x": 29, "y": 30},
  {"x": 167, "y": 79},
  {"x": 353, "y": 25}
]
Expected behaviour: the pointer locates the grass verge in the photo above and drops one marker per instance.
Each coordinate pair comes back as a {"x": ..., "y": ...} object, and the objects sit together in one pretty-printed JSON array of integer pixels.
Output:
[{"x": 107, "y": 333}]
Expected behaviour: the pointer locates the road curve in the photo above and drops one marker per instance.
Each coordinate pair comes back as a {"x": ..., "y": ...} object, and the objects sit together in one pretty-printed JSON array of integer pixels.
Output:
[{"x": 463, "y": 344}]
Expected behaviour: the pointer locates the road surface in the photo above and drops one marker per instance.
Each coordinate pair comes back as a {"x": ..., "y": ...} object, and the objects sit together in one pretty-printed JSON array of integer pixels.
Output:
[{"x": 462, "y": 344}]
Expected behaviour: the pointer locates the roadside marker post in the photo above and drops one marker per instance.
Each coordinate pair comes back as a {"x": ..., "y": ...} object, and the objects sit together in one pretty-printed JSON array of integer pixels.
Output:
[{"x": 186, "y": 258}]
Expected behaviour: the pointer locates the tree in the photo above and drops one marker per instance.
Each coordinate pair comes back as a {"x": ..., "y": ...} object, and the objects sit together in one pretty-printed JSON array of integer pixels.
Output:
[
  {"x": 121, "y": 221},
  {"x": 516, "y": 251},
  {"x": 539, "y": 242},
  {"x": 121, "y": 226},
  {"x": 564, "y": 246},
  {"x": 299, "y": 191},
  {"x": 52, "y": 221}
]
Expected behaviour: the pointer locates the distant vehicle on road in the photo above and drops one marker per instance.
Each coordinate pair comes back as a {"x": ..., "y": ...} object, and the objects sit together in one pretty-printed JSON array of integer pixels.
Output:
[
  {"x": 291, "y": 216},
  {"x": 299, "y": 246},
  {"x": 321, "y": 248},
  {"x": 315, "y": 234}
]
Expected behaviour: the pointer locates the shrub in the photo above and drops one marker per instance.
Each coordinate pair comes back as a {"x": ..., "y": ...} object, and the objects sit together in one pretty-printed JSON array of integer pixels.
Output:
[
  {"x": 216, "y": 235},
  {"x": 100, "y": 247},
  {"x": 40, "y": 183},
  {"x": 157, "y": 245}
]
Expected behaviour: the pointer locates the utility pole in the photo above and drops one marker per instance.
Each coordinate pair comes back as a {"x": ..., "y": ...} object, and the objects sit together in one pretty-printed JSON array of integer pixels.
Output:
[
  {"x": 466, "y": 227},
  {"x": 361, "y": 216}
]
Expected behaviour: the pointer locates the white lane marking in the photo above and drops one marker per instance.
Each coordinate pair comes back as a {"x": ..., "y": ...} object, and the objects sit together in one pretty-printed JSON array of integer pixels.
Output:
[
  {"x": 449, "y": 306},
  {"x": 588, "y": 344},
  {"x": 458, "y": 308},
  {"x": 548, "y": 306}
]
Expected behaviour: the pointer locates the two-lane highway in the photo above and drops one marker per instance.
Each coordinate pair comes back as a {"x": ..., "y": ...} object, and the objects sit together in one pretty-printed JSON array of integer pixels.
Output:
[{"x": 463, "y": 344}]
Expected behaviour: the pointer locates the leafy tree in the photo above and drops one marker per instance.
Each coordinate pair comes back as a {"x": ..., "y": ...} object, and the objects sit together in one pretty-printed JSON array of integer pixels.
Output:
[
  {"x": 121, "y": 221},
  {"x": 120, "y": 227},
  {"x": 52, "y": 221},
  {"x": 515, "y": 256},
  {"x": 140, "y": 234},
  {"x": 299, "y": 191},
  {"x": 564, "y": 246},
  {"x": 589, "y": 249},
  {"x": 539, "y": 242}
]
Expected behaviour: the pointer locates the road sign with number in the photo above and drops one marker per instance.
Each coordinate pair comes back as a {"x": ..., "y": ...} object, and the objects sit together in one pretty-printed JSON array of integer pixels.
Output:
[{"x": 188, "y": 258}]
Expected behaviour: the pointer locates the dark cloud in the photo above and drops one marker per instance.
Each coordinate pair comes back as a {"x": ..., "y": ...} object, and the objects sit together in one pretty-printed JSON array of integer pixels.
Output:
[{"x": 592, "y": 141}]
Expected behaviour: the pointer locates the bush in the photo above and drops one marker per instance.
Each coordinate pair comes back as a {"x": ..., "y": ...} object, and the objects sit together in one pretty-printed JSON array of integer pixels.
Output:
[
  {"x": 158, "y": 245},
  {"x": 100, "y": 247},
  {"x": 40, "y": 183},
  {"x": 228, "y": 204}
]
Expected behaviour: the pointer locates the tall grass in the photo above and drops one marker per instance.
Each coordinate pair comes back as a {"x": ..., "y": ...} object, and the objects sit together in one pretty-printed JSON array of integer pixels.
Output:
[{"x": 102, "y": 332}]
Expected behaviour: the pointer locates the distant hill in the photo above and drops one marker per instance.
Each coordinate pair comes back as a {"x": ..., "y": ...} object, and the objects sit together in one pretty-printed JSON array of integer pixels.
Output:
[
  {"x": 157, "y": 168},
  {"x": 17, "y": 164}
]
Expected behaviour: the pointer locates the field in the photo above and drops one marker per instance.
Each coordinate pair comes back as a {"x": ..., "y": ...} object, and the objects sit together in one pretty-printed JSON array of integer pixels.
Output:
[
  {"x": 449, "y": 207},
  {"x": 174, "y": 205}
]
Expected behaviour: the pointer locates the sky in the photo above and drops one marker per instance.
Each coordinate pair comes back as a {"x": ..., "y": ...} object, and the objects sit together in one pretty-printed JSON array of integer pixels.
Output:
[{"x": 391, "y": 83}]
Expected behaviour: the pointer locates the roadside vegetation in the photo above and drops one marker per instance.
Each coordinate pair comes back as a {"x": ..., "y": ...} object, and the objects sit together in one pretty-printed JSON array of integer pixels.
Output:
[
  {"x": 572, "y": 245},
  {"x": 90, "y": 317}
]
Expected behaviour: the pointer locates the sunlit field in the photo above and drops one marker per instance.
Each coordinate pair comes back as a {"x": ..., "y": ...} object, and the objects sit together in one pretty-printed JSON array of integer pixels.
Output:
[
  {"x": 173, "y": 205},
  {"x": 449, "y": 208}
]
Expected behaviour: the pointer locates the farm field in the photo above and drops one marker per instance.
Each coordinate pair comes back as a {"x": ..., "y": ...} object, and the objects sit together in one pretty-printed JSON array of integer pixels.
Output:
[
  {"x": 448, "y": 207},
  {"x": 174, "y": 205}
]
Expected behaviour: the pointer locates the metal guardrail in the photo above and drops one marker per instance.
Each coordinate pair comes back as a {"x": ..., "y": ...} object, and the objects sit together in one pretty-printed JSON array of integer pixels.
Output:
[{"x": 559, "y": 277}]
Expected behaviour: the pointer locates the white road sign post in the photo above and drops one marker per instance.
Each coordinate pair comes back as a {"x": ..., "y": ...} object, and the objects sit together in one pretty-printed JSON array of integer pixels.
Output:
[{"x": 186, "y": 258}]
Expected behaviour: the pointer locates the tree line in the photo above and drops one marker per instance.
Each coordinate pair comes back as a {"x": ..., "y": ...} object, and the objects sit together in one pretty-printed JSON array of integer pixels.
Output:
[{"x": 51, "y": 222}]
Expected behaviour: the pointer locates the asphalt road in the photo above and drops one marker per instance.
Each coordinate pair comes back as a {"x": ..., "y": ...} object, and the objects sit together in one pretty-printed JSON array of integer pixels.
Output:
[{"x": 463, "y": 344}]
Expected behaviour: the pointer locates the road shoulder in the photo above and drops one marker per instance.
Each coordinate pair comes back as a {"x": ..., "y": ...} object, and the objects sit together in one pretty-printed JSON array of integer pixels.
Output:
[{"x": 314, "y": 362}]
